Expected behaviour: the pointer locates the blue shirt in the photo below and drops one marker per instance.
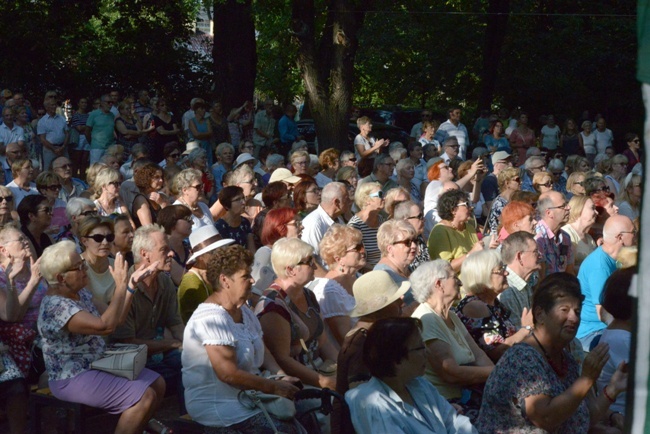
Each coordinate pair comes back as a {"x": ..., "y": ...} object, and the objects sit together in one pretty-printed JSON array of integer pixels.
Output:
[
  {"x": 593, "y": 274},
  {"x": 288, "y": 130}
]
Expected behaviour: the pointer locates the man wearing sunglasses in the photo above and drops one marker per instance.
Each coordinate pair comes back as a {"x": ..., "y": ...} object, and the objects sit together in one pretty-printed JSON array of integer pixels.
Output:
[
  {"x": 619, "y": 232},
  {"x": 382, "y": 172},
  {"x": 70, "y": 187}
]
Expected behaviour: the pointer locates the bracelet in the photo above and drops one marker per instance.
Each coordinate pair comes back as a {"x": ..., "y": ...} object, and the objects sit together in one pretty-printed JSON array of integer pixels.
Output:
[
  {"x": 609, "y": 398},
  {"x": 611, "y": 417},
  {"x": 131, "y": 290}
]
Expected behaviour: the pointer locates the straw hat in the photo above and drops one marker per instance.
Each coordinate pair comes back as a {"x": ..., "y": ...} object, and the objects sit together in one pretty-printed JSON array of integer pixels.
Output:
[
  {"x": 285, "y": 175},
  {"x": 374, "y": 291},
  {"x": 205, "y": 239}
]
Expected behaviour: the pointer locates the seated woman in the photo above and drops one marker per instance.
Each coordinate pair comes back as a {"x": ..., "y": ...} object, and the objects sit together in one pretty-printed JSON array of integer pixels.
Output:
[
  {"x": 35, "y": 217},
  {"x": 392, "y": 198},
  {"x": 398, "y": 398},
  {"x": 630, "y": 198},
  {"x": 148, "y": 202},
  {"x": 72, "y": 327},
  {"x": 276, "y": 195},
  {"x": 412, "y": 213},
  {"x": 455, "y": 363},
  {"x": 178, "y": 224},
  {"x": 574, "y": 184},
  {"x": 107, "y": 193},
  {"x": 509, "y": 181},
  {"x": 278, "y": 223},
  {"x": 223, "y": 352},
  {"x": 582, "y": 217},
  {"x": 618, "y": 334},
  {"x": 542, "y": 182},
  {"x": 188, "y": 187},
  {"x": 49, "y": 185},
  {"x": 369, "y": 198},
  {"x": 123, "y": 242},
  {"x": 486, "y": 319},
  {"x": 96, "y": 237},
  {"x": 306, "y": 197},
  {"x": 7, "y": 209},
  {"x": 537, "y": 385},
  {"x": 342, "y": 250},
  {"x": 232, "y": 225},
  {"x": 290, "y": 316},
  {"x": 516, "y": 216}
]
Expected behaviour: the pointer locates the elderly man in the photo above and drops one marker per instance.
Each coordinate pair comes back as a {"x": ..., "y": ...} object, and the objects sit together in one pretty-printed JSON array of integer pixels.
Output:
[
  {"x": 54, "y": 134},
  {"x": 554, "y": 244},
  {"x": 9, "y": 131},
  {"x": 72, "y": 187},
  {"x": 619, "y": 232},
  {"x": 454, "y": 128},
  {"x": 155, "y": 307},
  {"x": 263, "y": 127},
  {"x": 532, "y": 166},
  {"x": 520, "y": 253},
  {"x": 335, "y": 202},
  {"x": 490, "y": 187},
  {"x": 382, "y": 172},
  {"x": 450, "y": 150},
  {"x": 100, "y": 128},
  {"x": 13, "y": 152}
]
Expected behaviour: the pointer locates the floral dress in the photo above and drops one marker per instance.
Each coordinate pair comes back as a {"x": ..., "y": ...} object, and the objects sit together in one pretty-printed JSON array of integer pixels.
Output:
[
  {"x": 494, "y": 218},
  {"x": 239, "y": 234},
  {"x": 522, "y": 372},
  {"x": 490, "y": 331}
]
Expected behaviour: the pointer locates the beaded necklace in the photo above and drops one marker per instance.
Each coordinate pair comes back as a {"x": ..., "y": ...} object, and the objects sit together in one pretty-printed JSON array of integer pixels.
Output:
[{"x": 562, "y": 370}]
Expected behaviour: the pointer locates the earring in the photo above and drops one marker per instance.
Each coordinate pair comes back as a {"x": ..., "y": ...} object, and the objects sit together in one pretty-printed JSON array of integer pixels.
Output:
[{"x": 341, "y": 269}]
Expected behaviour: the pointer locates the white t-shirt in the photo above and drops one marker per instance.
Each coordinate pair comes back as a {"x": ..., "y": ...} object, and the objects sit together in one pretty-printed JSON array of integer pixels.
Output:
[
  {"x": 203, "y": 221},
  {"x": 550, "y": 137},
  {"x": 604, "y": 140}
]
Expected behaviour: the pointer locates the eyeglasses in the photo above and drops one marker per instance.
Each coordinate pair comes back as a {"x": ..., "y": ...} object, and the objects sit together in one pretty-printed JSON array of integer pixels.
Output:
[
  {"x": 99, "y": 238},
  {"x": 46, "y": 210},
  {"x": 65, "y": 166},
  {"x": 453, "y": 146},
  {"x": 516, "y": 179},
  {"x": 300, "y": 163},
  {"x": 633, "y": 232},
  {"x": 604, "y": 188},
  {"x": 7, "y": 199},
  {"x": 563, "y": 206},
  {"x": 309, "y": 262},
  {"x": 407, "y": 242},
  {"x": 358, "y": 248},
  {"x": 56, "y": 187},
  {"x": 197, "y": 187},
  {"x": 636, "y": 141},
  {"x": 315, "y": 190},
  {"x": 175, "y": 155},
  {"x": 88, "y": 213},
  {"x": 188, "y": 219},
  {"x": 557, "y": 173},
  {"x": 353, "y": 159},
  {"x": 296, "y": 223},
  {"x": 537, "y": 168},
  {"x": 416, "y": 217},
  {"x": 578, "y": 183},
  {"x": 549, "y": 184},
  {"x": 79, "y": 267},
  {"x": 500, "y": 269},
  {"x": 379, "y": 194},
  {"x": 20, "y": 240},
  {"x": 252, "y": 182},
  {"x": 536, "y": 252},
  {"x": 465, "y": 204}
]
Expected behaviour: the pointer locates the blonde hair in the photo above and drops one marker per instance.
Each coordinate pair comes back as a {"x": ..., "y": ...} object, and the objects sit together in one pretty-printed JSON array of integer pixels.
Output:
[
  {"x": 336, "y": 241},
  {"x": 92, "y": 172},
  {"x": 363, "y": 192},
  {"x": 391, "y": 199},
  {"x": 539, "y": 177},
  {"x": 299, "y": 154},
  {"x": 390, "y": 230},
  {"x": 56, "y": 260},
  {"x": 476, "y": 270},
  {"x": 104, "y": 177},
  {"x": 577, "y": 204},
  {"x": 287, "y": 252},
  {"x": 506, "y": 175},
  {"x": 573, "y": 178}
]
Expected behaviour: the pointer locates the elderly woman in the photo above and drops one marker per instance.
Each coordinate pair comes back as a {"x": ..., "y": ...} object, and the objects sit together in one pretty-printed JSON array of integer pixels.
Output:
[
  {"x": 178, "y": 224},
  {"x": 392, "y": 198},
  {"x": 574, "y": 184},
  {"x": 369, "y": 198},
  {"x": 509, "y": 181},
  {"x": 6, "y": 206},
  {"x": 188, "y": 187},
  {"x": 454, "y": 237},
  {"x": 582, "y": 217},
  {"x": 630, "y": 198},
  {"x": 395, "y": 355},
  {"x": 411, "y": 212},
  {"x": 605, "y": 207},
  {"x": 91, "y": 174},
  {"x": 542, "y": 182},
  {"x": 96, "y": 236},
  {"x": 290, "y": 316},
  {"x": 35, "y": 217},
  {"x": 306, "y": 197},
  {"x": 276, "y": 195},
  {"x": 232, "y": 225},
  {"x": 366, "y": 147},
  {"x": 123, "y": 230},
  {"x": 615, "y": 171},
  {"x": 299, "y": 161},
  {"x": 329, "y": 163},
  {"x": 517, "y": 216},
  {"x": 49, "y": 185},
  {"x": 72, "y": 326},
  {"x": 147, "y": 203},
  {"x": 107, "y": 193},
  {"x": 244, "y": 177},
  {"x": 454, "y": 361},
  {"x": 22, "y": 185},
  {"x": 223, "y": 353},
  {"x": 578, "y": 164},
  {"x": 486, "y": 319},
  {"x": 198, "y": 159},
  {"x": 278, "y": 223},
  {"x": 342, "y": 250},
  {"x": 349, "y": 174},
  {"x": 556, "y": 170},
  {"x": 538, "y": 386},
  {"x": 405, "y": 178}
]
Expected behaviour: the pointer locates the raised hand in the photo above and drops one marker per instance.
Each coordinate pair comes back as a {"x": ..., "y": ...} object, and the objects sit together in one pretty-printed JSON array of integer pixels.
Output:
[
  {"x": 595, "y": 361},
  {"x": 142, "y": 273},
  {"x": 119, "y": 270}
]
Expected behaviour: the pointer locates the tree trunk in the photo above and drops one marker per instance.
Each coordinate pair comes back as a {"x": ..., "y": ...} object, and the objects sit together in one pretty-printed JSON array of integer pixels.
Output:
[
  {"x": 234, "y": 52},
  {"x": 495, "y": 34},
  {"x": 327, "y": 65}
]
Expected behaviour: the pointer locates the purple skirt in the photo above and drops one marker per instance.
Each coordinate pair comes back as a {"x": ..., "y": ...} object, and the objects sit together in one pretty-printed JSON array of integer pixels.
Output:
[{"x": 103, "y": 390}]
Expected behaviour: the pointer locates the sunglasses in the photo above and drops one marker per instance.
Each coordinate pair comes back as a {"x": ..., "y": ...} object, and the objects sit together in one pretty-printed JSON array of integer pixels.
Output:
[
  {"x": 198, "y": 187},
  {"x": 88, "y": 213},
  {"x": 353, "y": 159},
  {"x": 516, "y": 179},
  {"x": 604, "y": 188},
  {"x": 359, "y": 247},
  {"x": 65, "y": 166},
  {"x": 407, "y": 242},
  {"x": 309, "y": 262},
  {"x": 99, "y": 238},
  {"x": 7, "y": 199},
  {"x": 547, "y": 185},
  {"x": 175, "y": 155},
  {"x": 80, "y": 267},
  {"x": 379, "y": 194},
  {"x": 416, "y": 217},
  {"x": 51, "y": 187}
]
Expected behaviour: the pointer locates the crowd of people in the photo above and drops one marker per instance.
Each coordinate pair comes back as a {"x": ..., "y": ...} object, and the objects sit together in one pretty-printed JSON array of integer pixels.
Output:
[{"x": 466, "y": 281}]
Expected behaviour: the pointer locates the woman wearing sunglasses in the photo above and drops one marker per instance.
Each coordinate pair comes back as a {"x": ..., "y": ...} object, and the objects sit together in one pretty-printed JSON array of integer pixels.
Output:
[
  {"x": 508, "y": 181},
  {"x": 7, "y": 210},
  {"x": 107, "y": 192},
  {"x": 96, "y": 236},
  {"x": 35, "y": 217},
  {"x": 369, "y": 198},
  {"x": 542, "y": 182}
]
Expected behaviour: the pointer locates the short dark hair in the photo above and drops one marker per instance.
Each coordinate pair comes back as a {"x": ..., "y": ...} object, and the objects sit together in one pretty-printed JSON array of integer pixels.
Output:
[
  {"x": 29, "y": 206},
  {"x": 553, "y": 287},
  {"x": 227, "y": 260},
  {"x": 615, "y": 298},
  {"x": 228, "y": 194},
  {"x": 515, "y": 242},
  {"x": 170, "y": 147},
  {"x": 169, "y": 215},
  {"x": 272, "y": 193},
  {"x": 448, "y": 202},
  {"x": 386, "y": 344}
]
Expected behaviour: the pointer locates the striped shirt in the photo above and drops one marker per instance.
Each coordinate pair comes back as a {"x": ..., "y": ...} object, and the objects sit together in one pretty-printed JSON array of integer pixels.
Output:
[{"x": 369, "y": 237}]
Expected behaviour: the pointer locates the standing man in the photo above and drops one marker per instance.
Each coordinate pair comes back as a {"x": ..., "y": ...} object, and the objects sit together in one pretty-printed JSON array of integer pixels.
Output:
[
  {"x": 115, "y": 99},
  {"x": 453, "y": 127},
  {"x": 9, "y": 131},
  {"x": 554, "y": 244},
  {"x": 13, "y": 152},
  {"x": 54, "y": 134},
  {"x": 100, "y": 128},
  {"x": 263, "y": 127},
  {"x": 450, "y": 150},
  {"x": 288, "y": 128}
]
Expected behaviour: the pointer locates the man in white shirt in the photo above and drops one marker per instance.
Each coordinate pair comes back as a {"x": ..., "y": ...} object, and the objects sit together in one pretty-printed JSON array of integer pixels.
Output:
[
  {"x": 453, "y": 127},
  {"x": 451, "y": 149},
  {"x": 9, "y": 131},
  {"x": 53, "y": 131}
]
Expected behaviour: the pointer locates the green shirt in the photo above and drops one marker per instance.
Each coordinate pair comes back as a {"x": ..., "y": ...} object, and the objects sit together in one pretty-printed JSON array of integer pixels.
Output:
[
  {"x": 102, "y": 124},
  {"x": 192, "y": 292}
]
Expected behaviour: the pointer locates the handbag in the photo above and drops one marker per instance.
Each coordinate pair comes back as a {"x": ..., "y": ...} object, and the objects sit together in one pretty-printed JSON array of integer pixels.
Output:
[
  {"x": 122, "y": 360},
  {"x": 271, "y": 405}
]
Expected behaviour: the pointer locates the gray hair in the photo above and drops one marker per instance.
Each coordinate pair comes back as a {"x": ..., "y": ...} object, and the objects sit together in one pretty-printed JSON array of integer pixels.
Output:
[
  {"x": 425, "y": 277},
  {"x": 403, "y": 209},
  {"x": 381, "y": 159},
  {"x": 515, "y": 242},
  {"x": 56, "y": 260},
  {"x": 396, "y": 154},
  {"x": 185, "y": 178},
  {"x": 451, "y": 140},
  {"x": 142, "y": 240},
  {"x": 333, "y": 191},
  {"x": 195, "y": 154},
  {"x": 533, "y": 152},
  {"x": 476, "y": 270},
  {"x": 555, "y": 164},
  {"x": 76, "y": 206},
  {"x": 223, "y": 146},
  {"x": 346, "y": 155},
  {"x": 240, "y": 174},
  {"x": 530, "y": 162},
  {"x": 274, "y": 161},
  {"x": 545, "y": 202}
]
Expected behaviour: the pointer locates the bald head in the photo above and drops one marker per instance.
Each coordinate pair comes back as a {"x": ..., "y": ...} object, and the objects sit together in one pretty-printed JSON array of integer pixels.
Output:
[{"x": 615, "y": 226}]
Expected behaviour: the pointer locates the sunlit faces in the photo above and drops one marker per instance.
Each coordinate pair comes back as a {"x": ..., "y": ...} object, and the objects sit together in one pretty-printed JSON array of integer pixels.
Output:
[
  {"x": 99, "y": 241},
  {"x": 238, "y": 285},
  {"x": 499, "y": 278},
  {"x": 16, "y": 244},
  {"x": 123, "y": 235},
  {"x": 294, "y": 227},
  {"x": 589, "y": 213},
  {"x": 527, "y": 224},
  {"x": 160, "y": 252},
  {"x": 530, "y": 259}
]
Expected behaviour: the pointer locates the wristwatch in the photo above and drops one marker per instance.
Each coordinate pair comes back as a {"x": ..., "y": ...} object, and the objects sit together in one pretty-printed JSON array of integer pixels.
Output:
[{"x": 529, "y": 328}]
